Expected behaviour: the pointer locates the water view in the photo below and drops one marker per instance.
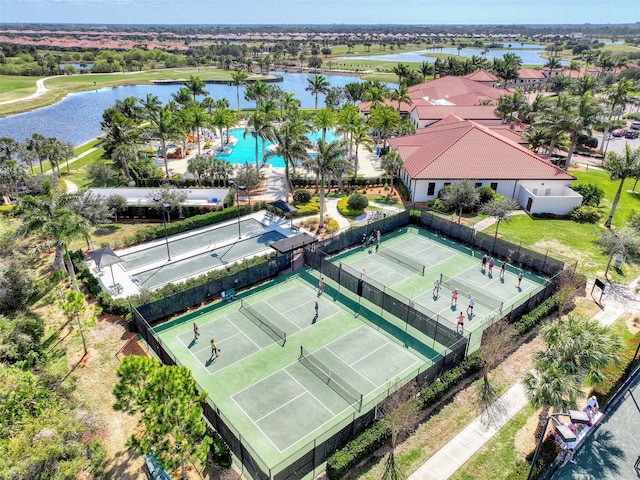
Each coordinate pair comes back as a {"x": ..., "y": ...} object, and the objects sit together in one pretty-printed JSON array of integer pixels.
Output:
[
  {"x": 76, "y": 119},
  {"x": 528, "y": 52}
]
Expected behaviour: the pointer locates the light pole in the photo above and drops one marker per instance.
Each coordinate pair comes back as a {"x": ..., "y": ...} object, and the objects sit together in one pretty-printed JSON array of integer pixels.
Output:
[
  {"x": 165, "y": 208},
  {"x": 562, "y": 430},
  {"x": 238, "y": 188}
]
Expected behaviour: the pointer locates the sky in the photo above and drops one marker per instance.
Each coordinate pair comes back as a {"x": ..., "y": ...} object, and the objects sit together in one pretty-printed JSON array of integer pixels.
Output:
[{"x": 427, "y": 12}]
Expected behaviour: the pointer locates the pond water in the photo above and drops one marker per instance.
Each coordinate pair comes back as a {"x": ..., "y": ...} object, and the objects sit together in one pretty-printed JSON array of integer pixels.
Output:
[
  {"x": 528, "y": 52},
  {"x": 76, "y": 119}
]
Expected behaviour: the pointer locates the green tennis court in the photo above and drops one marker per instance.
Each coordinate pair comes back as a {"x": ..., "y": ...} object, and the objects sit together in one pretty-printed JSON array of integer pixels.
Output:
[
  {"x": 277, "y": 401},
  {"x": 399, "y": 261}
]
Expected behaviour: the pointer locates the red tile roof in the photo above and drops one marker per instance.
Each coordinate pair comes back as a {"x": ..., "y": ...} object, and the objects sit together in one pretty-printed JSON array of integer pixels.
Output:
[
  {"x": 453, "y": 150},
  {"x": 364, "y": 107},
  {"x": 454, "y": 91},
  {"x": 482, "y": 76},
  {"x": 474, "y": 112},
  {"x": 531, "y": 73}
]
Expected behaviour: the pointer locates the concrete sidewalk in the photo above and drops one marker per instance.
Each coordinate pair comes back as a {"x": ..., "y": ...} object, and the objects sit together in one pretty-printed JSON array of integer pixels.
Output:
[{"x": 617, "y": 300}]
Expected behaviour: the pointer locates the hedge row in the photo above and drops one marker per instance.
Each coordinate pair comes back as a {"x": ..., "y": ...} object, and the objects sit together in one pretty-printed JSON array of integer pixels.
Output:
[
  {"x": 530, "y": 320},
  {"x": 197, "y": 221},
  {"x": 180, "y": 182},
  {"x": 350, "y": 182},
  {"x": 341, "y": 462},
  {"x": 377, "y": 435}
]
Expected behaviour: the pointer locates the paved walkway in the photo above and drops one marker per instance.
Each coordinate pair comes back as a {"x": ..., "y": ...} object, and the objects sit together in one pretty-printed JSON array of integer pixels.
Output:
[{"x": 617, "y": 300}]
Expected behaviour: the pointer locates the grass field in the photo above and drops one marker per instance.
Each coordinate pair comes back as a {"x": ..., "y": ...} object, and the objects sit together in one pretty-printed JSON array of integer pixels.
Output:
[{"x": 12, "y": 87}]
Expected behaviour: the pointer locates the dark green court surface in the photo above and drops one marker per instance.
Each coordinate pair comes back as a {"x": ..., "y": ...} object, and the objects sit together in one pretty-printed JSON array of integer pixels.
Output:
[
  {"x": 277, "y": 403},
  {"x": 281, "y": 404}
]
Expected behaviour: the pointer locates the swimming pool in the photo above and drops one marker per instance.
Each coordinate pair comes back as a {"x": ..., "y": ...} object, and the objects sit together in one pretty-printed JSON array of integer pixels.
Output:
[{"x": 245, "y": 149}]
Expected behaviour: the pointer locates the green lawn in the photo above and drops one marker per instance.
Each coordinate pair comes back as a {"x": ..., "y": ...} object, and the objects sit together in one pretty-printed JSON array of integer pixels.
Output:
[
  {"x": 577, "y": 240},
  {"x": 12, "y": 87},
  {"x": 497, "y": 458},
  {"x": 79, "y": 168}
]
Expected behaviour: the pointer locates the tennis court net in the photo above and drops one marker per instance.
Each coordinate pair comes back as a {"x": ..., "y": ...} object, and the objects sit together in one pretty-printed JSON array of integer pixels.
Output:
[
  {"x": 404, "y": 260},
  {"x": 324, "y": 373},
  {"x": 467, "y": 291},
  {"x": 256, "y": 317}
]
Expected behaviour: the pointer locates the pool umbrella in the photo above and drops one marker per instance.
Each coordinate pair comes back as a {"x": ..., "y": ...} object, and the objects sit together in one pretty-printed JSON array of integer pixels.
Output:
[
  {"x": 105, "y": 257},
  {"x": 285, "y": 207}
]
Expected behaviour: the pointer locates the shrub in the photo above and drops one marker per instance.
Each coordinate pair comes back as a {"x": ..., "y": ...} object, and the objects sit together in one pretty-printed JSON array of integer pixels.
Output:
[
  {"x": 530, "y": 320},
  {"x": 361, "y": 447},
  {"x": 486, "y": 194},
  {"x": 331, "y": 225},
  {"x": 591, "y": 193},
  {"x": 585, "y": 214},
  {"x": 301, "y": 196},
  {"x": 310, "y": 208},
  {"x": 346, "y": 210},
  {"x": 358, "y": 202},
  {"x": 438, "y": 205},
  {"x": 405, "y": 193}
]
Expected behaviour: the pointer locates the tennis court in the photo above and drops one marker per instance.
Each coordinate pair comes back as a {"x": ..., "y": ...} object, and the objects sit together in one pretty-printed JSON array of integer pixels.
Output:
[
  {"x": 278, "y": 401},
  {"x": 410, "y": 260}
]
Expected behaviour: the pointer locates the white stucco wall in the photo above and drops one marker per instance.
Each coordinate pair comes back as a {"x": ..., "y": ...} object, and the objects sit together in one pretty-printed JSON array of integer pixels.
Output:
[
  {"x": 142, "y": 196},
  {"x": 549, "y": 196},
  {"x": 556, "y": 199}
]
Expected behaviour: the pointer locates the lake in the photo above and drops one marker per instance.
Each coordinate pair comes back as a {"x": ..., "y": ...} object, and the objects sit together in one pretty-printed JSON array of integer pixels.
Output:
[
  {"x": 76, "y": 119},
  {"x": 528, "y": 52}
]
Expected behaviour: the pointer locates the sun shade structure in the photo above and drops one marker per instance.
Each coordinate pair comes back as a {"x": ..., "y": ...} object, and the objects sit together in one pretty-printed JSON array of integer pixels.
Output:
[
  {"x": 284, "y": 206},
  {"x": 295, "y": 242},
  {"x": 105, "y": 257}
]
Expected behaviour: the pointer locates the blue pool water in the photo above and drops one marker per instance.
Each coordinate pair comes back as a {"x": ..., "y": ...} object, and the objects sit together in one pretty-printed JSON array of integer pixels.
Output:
[{"x": 245, "y": 149}]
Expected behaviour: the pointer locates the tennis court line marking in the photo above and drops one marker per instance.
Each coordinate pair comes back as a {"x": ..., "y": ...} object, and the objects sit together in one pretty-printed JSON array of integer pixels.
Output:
[
  {"x": 352, "y": 369},
  {"x": 333, "y": 415},
  {"x": 193, "y": 352},
  {"x": 256, "y": 425},
  {"x": 307, "y": 390},
  {"x": 280, "y": 407}
]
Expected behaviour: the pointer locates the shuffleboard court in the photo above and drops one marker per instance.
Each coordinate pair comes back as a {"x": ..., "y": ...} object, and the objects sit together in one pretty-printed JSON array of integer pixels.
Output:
[{"x": 275, "y": 399}]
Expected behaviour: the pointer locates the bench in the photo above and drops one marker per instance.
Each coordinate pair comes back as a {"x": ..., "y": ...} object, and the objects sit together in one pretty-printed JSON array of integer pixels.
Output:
[
  {"x": 229, "y": 294},
  {"x": 295, "y": 228}
]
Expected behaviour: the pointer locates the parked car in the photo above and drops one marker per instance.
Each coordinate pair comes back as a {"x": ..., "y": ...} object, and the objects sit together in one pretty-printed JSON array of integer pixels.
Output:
[
  {"x": 635, "y": 125},
  {"x": 618, "y": 132},
  {"x": 632, "y": 134}
]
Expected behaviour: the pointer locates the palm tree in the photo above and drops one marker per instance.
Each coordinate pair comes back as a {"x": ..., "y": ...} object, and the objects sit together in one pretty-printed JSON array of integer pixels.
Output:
[
  {"x": 391, "y": 163},
  {"x": 616, "y": 95},
  {"x": 49, "y": 217},
  {"x": 198, "y": 118},
  {"x": 621, "y": 167},
  {"x": 323, "y": 165},
  {"x": 124, "y": 155},
  {"x": 238, "y": 79},
  {"x": 360, "y": 136},
  {"x": 316, "y": 85},
  {"x": 289, "y": 103},
  {"x": 292, "y": 144},
  {"x": 586, "y": 114},
  {"x": 402, "y": 71},
  {"x": 259, "y": 127},
  {"x": 208, "y": 103},
  {"x": 222, "y": 118},
  {"x": 323, "y": 120},
  {"x": 196, "y": 85},
  {"x": 552, "y": 64},
  {"x": 384, "y": 119},
  {"x": 577, "y": 350},
  {"x": 512, "y": 107},
  {"x": 182, "y": 98},
  {"x": 36, "y": 145},
  {"x": 164, "y": 127},
  {"x": 560, "y": 119},
  {"x": 348, "y": 119},
  {"x": 119, "y": 130},
  {"x": 256, "y": 92},
  {"x": 401, "y": 94},
  {"x": 425, "y": 70}
]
